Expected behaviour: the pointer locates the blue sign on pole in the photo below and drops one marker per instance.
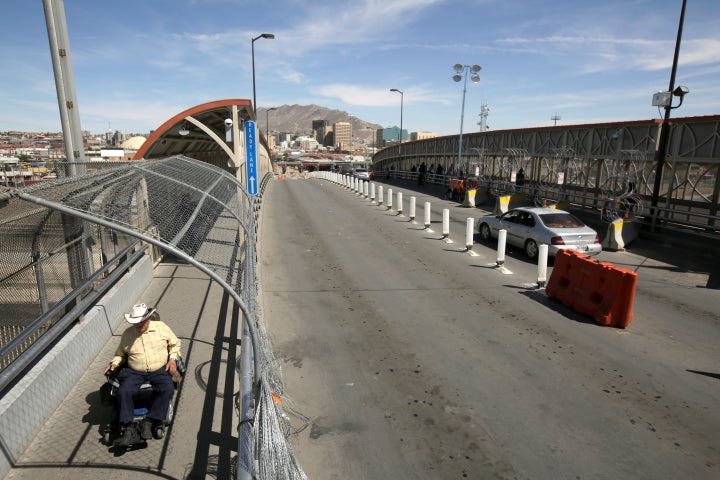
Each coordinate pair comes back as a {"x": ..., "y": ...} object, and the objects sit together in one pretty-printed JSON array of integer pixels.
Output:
[{"x": 251, "y": 161}]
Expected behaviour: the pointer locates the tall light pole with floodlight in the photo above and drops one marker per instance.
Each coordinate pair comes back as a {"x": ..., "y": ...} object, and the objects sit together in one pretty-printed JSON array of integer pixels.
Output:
[
  {"x": 402, "y": 96},
  {"x": 252, "y": 44},
  {"x": 461, "y": 72}
]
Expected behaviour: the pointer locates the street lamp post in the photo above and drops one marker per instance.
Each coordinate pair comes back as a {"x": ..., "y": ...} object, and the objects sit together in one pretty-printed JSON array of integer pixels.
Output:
[
  {"x": 252, "y": 44},
  {"x": 402, "y": 96},
  {"x": 372, "y": 139},
  {"x": 460, "y": 73},
  {"x": 267, "y": 122}
]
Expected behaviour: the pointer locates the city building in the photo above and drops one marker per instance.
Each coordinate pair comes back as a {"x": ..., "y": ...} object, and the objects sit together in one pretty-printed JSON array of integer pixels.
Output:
[
  {"x": 422, "y": 135},
  {"x": 343, "y": 135},
  {"x": 390, "y": 136}
]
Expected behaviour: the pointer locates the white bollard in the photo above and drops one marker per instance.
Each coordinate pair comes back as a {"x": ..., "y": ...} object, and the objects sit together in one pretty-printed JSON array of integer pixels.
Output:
[
  {"x": 380, "y": 194},
  {"x": 502, "y": 237},
  {"x": 366, "y": 189},
  {"x": 412, "y": 208},
  {"x": 372, "y": 192},
  {"x": 399, "y": 203},
  {"x": 446, "y": 223},
  {"x": 542, "y": 265},
  {"x": 469, "y": 225},
  {"x": 427, "y": 214},
  {"x": 389, "y": 202}
]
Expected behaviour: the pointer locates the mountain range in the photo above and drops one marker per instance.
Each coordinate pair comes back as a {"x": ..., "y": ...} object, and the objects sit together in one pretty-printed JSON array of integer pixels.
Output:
[{"x": 298, "y": 119}]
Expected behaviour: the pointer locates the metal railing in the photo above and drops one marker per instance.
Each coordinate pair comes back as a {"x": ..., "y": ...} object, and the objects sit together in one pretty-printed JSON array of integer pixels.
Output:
[{"x": 32, "y": 340}]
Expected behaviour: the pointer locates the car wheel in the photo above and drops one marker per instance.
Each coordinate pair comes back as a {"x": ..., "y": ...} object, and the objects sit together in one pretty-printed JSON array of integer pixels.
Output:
[
  {"x": 485, "y": 232},
  {"x": 531, "y": 249}
]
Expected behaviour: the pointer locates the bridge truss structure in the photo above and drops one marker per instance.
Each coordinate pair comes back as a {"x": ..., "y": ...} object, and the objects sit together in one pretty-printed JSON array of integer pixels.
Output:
[{"x": 608, "y": 167}]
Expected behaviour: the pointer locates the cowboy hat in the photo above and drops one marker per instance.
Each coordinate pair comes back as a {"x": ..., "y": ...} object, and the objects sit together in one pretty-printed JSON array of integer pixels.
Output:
[{"x": 139, "y": 313}]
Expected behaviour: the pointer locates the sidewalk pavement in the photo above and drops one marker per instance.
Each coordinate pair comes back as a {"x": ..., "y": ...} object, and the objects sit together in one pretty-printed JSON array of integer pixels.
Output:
[{"x": 202, "y": 439}]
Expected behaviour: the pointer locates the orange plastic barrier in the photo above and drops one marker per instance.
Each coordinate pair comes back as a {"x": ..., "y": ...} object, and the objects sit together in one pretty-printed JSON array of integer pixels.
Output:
[
  {"x": 560, "y": 285},
  {"x": 461, "y": 185},
  {"x": 597, "y": 289}
]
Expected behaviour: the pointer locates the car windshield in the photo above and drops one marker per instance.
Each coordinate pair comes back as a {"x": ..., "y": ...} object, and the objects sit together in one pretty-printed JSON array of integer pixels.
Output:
[{"x": 561, "y": 220}]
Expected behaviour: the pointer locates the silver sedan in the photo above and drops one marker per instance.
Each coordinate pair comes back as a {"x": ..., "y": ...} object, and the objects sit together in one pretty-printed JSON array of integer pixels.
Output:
[{"x": 529, "y": 227}]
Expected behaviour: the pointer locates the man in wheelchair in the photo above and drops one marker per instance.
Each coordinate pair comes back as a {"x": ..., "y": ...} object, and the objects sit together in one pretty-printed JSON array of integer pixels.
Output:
[{"x": 148, "y": 352}]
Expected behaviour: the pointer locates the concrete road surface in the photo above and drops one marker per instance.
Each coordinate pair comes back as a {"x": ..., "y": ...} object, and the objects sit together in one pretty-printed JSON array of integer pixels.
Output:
[{"x": 407, "y": 358}]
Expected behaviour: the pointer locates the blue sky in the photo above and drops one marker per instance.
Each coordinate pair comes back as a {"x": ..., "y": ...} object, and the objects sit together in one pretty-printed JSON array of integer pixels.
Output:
[{"x": 138, "y": 62}]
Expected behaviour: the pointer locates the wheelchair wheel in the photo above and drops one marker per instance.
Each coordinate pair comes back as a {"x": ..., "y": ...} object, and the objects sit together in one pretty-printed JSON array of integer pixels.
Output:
[{"x": 107, "y": 434}]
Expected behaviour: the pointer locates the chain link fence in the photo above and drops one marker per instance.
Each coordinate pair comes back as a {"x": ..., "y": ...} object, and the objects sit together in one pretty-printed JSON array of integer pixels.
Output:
[{"x": 55, "y": 235}]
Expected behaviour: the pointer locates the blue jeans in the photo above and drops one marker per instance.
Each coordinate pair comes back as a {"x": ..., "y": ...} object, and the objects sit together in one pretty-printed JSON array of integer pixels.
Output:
[{"x": 130, "y": 381}]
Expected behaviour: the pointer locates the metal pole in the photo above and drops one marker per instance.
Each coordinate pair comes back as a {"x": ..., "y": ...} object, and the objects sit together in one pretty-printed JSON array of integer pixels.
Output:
[
  {"x": 400, "y": 134},
  {"x": 402, "y": 99},
  {"x": 65, "y": 86},
  {"x": 462, "y": 117},
  {"x": 252, "y": 49},
  {"x": 252, "y": 44},
  {"x": 661, "y": 151}
]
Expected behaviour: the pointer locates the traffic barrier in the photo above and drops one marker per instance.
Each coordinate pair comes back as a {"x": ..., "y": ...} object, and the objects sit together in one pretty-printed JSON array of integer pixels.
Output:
[
  {"x": 469, "y": 200},
  {"x": 482, "y": 195},
  {"x": 508, "y": 202},
  {"x": 614, "y": 309},
  {"x": 613, "y": 240},
  {"x": 560, "y": 285},
  {"x": 597, "y": 289}
]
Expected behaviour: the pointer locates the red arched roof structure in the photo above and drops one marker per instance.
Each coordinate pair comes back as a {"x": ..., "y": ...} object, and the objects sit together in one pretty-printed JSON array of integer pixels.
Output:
[{"x": 196, "y": 123}]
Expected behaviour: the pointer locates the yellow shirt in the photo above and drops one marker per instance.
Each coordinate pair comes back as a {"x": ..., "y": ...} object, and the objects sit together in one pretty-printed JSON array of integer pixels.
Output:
[{"x": 149, "y": 351}]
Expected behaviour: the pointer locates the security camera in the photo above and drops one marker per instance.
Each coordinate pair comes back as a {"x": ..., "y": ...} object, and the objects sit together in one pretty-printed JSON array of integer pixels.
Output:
[{"x": 228, "y": 122}]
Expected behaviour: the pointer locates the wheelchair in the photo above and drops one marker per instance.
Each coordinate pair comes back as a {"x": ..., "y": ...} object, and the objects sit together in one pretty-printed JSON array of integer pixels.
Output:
[{"x": 142, "y": 399}]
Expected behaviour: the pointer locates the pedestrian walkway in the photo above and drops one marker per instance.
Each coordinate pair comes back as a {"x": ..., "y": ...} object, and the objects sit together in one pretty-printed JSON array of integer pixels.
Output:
[{"x": 202, "y": 440}]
